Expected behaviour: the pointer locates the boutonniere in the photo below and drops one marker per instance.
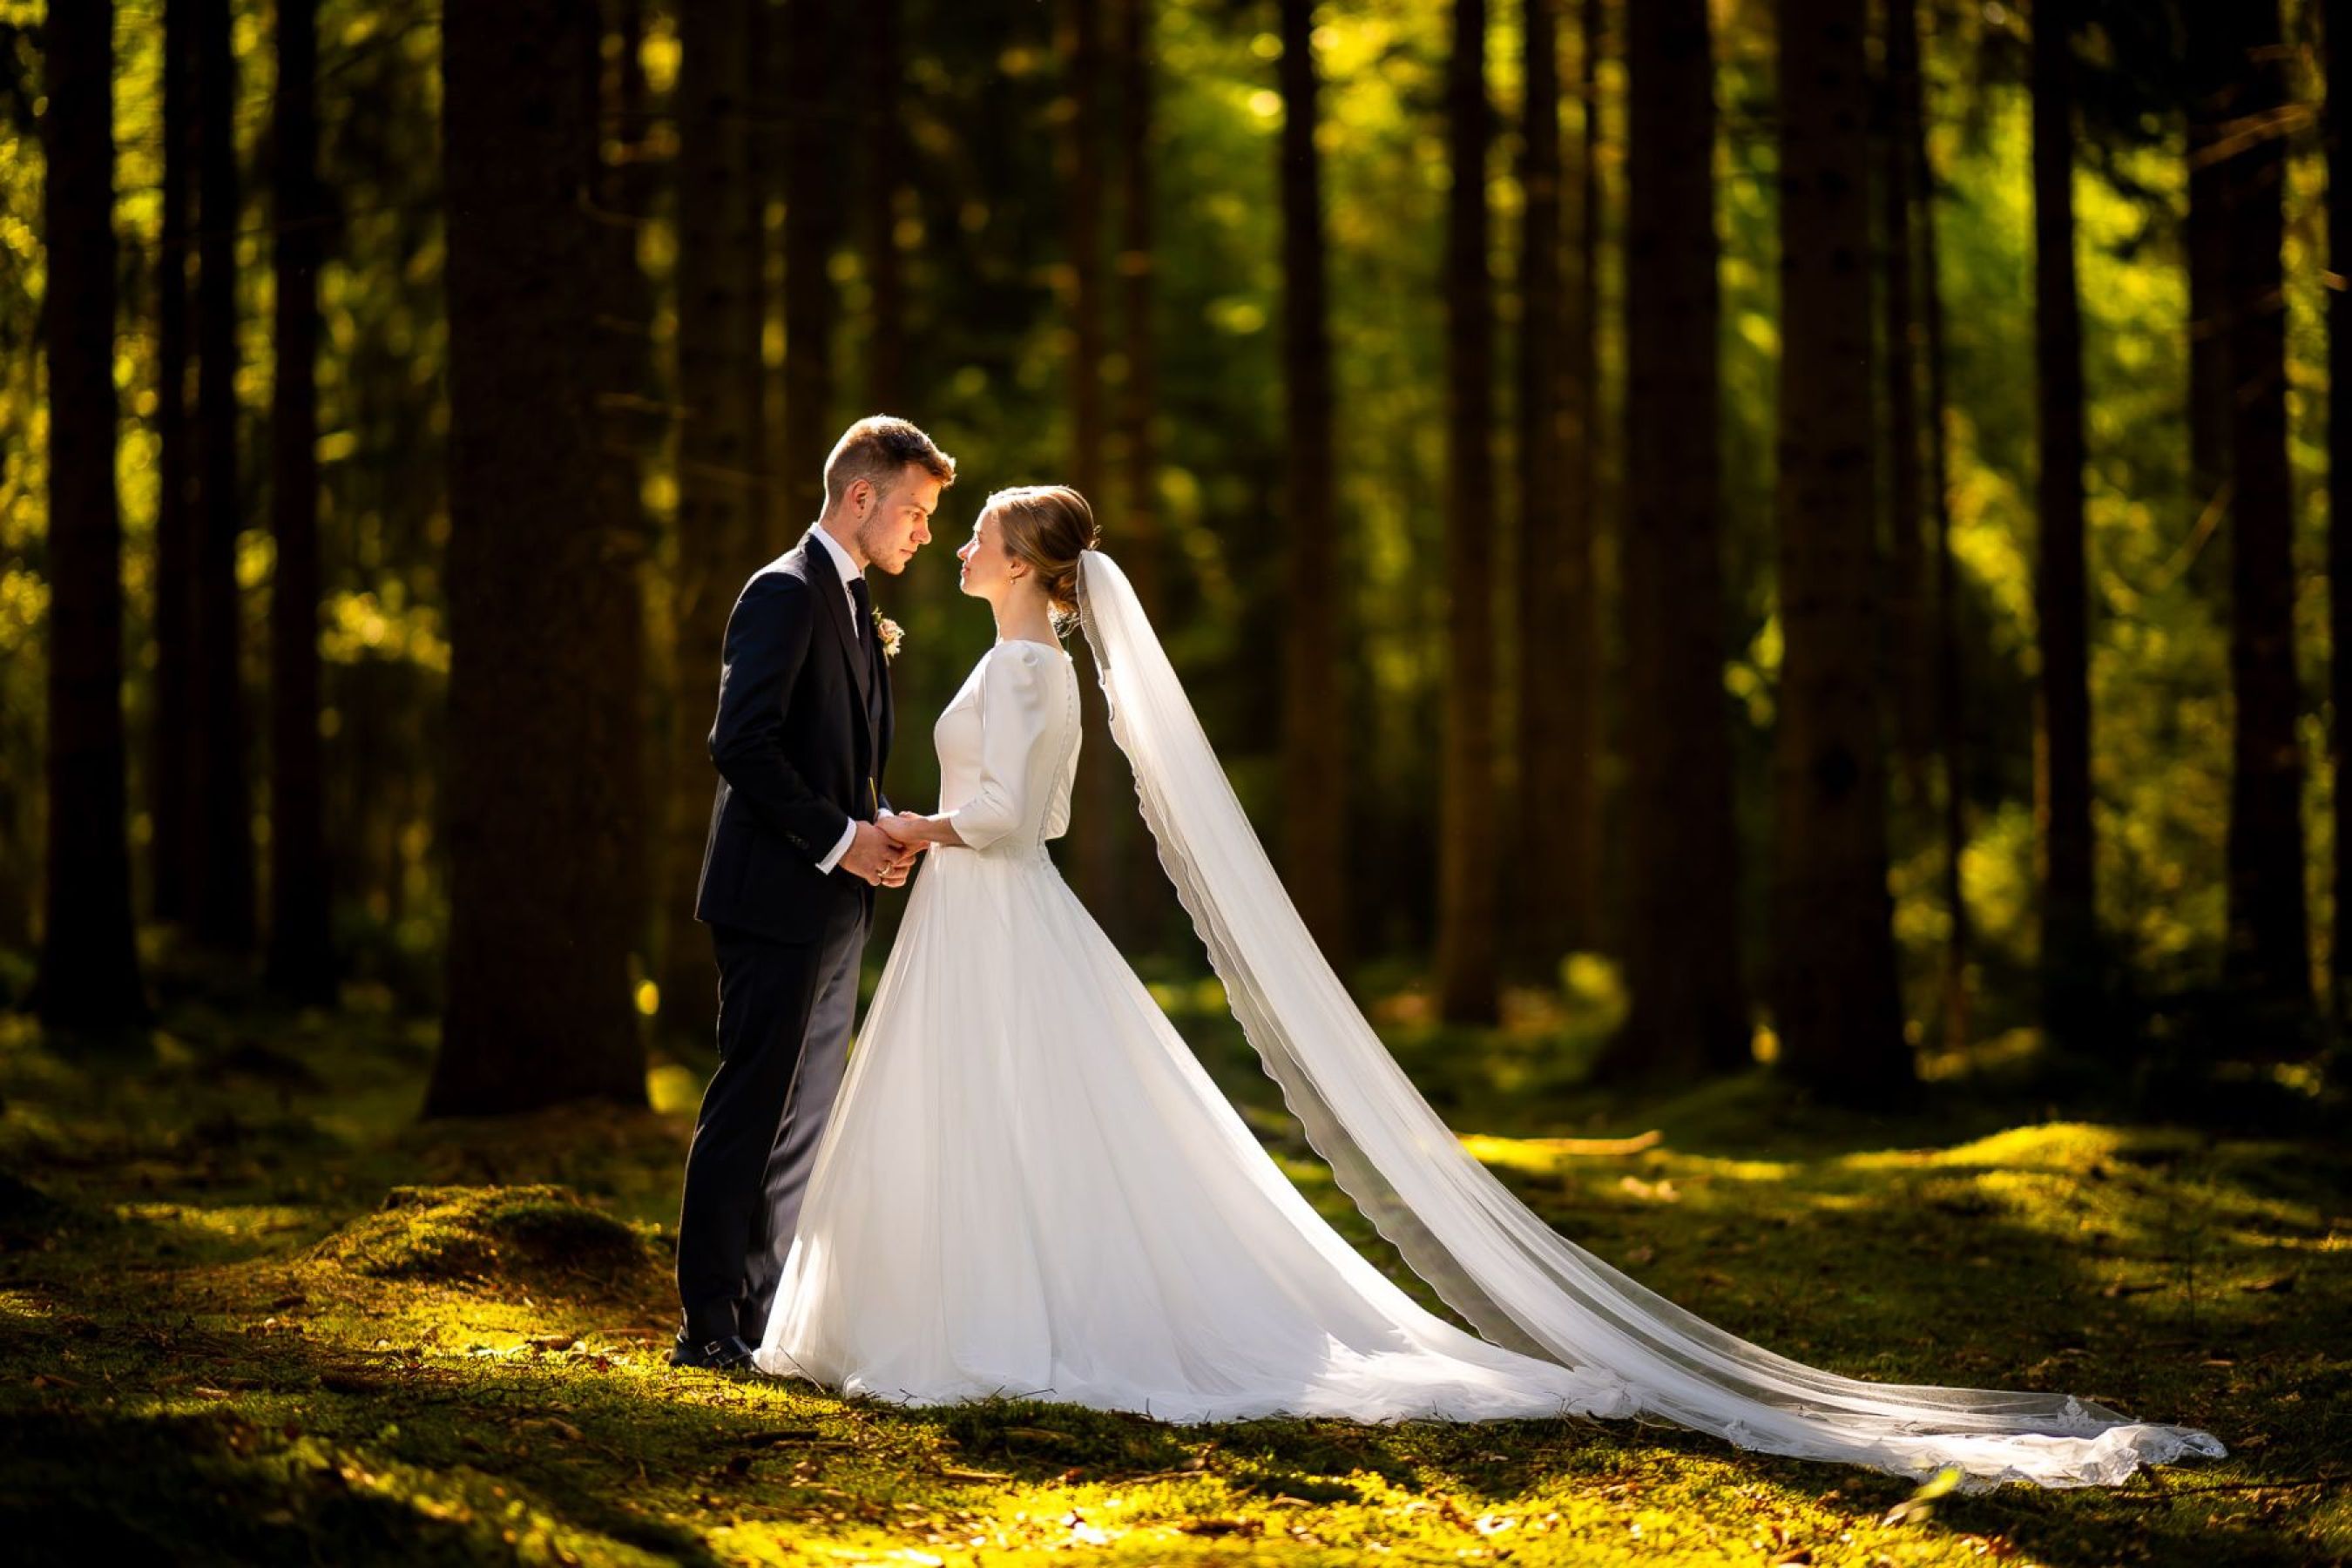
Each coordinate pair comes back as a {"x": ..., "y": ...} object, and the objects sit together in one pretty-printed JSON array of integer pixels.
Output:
[{"x": 888, "y": 632}]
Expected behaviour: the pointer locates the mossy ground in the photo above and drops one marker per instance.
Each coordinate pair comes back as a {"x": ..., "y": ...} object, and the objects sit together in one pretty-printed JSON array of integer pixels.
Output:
[{"x": 251, "y": 1311}]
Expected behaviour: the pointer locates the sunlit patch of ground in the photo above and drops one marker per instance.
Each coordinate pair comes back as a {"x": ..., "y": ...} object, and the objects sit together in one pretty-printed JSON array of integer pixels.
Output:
[{"x": 250, "y": 1312}]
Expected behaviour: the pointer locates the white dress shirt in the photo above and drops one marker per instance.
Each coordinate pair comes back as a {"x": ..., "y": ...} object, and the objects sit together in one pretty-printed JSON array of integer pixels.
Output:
[{"x": 848, "y": 570}]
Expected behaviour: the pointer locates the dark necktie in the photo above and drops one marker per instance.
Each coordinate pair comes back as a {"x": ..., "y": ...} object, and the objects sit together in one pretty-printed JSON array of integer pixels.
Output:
[{"x": 864, "y": 616}]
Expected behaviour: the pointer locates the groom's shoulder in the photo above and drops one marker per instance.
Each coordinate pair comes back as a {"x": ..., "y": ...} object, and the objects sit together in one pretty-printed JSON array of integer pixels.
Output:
[{"x": 786, "y": 574}]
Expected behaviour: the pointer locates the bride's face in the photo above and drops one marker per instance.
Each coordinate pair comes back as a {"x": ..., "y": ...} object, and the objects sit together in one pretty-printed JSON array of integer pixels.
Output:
[{"x": 986, "y": 571}]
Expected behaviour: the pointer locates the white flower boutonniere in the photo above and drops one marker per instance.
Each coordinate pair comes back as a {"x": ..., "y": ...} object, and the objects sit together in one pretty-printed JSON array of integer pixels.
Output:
[{"x": 889, "y": 632}]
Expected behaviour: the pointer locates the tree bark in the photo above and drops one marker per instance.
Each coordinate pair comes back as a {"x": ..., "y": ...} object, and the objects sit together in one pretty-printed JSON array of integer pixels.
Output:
[
  {"x": 2337, "y": 20},
  {"x": 539, "y": 1008},
  {"x": 88, "y": 975},
  {"x": 1468, "y": 870},
  {"x": 716, "y": 539},
  {"x": 300, "y": 957},
  {"x": 1096, "y": 834},
  {"x": 2071, "y": 980},
  {"x": 885, "y": 361},
  {"x": 1906, "y": 625},
  {"x": 1689, "y": 1010},
  {"x": 810, "y": 170},
  {"x": 2266, "y": 953},
  {"x": 1314, "y": 759},
  {"x": 171, "y": 744},
  {"x": 222, "y": 881},
  {"x": 1835, "y": 1004}
]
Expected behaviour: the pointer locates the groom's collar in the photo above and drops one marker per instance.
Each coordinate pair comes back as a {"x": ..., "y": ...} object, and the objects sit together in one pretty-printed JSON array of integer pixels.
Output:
[{"x": 841, "y": 561}]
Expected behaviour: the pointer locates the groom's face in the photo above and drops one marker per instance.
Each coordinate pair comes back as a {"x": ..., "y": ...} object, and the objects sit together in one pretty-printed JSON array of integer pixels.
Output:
[{"x": 899, "y": 522}]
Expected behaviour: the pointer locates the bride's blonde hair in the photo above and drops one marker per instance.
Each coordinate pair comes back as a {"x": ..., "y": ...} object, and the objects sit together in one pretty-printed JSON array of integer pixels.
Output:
[{"x": 1048, "y": 527}]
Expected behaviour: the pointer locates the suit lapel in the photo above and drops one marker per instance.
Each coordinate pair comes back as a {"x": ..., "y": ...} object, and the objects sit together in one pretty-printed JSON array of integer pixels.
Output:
[{"x": 825, "y": 579}]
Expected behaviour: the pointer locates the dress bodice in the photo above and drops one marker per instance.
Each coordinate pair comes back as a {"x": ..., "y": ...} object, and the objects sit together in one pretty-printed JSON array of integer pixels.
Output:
[{"x": 1008, "y": 746}]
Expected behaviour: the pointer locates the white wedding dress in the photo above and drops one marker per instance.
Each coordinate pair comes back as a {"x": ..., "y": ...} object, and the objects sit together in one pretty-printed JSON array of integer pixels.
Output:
[{"x": 1029, "y": 1187}]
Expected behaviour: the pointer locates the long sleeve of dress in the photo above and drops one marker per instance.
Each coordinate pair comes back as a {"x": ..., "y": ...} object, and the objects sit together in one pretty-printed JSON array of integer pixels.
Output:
[{"x": 1015, "y": 688}]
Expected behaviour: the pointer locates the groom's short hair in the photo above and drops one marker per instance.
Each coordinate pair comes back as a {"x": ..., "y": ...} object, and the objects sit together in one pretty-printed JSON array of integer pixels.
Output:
[{"x": 877, "y": 448}]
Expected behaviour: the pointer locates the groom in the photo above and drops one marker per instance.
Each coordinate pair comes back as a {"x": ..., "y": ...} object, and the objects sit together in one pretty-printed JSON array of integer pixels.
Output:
[{"x": 789, "y": 873}]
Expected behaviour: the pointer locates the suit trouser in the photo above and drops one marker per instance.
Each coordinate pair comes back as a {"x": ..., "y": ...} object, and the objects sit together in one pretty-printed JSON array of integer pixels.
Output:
[{"x": 785, "y": 1016}]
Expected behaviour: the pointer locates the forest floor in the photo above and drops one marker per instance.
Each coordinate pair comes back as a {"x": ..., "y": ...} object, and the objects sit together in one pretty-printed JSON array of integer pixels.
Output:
[{"x": 252, "y": 1311}]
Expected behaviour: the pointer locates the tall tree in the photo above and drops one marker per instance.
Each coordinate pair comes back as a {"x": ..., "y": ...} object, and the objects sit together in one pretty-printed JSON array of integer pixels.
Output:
[
  {"x": 221, "y": 888},
  {"x": 172, "y": 735},
  {"x": 2266, "y": 946},
  {"x": 715, "y": 545},
  {"x": 1095, "y": 830},
  {"x": 1545, "y": 716},
  {"x": 2060, "y": 584},
  {"x": 886, "y": 358},
  {"x": 811, "y": 172},
  {"x": 1835, "y": 1004},
  {"x": 90, "y": 965},
  {"x": 1469, "y": 870},
  {"x": 1689, "y": 1010},
  {"x": 300, "y": 957},
  {"x": 1314, "y": 756},
  {"x": 2210, "y": 85},
  {"x": 1911, "y": 130},
  {"x": 1906, "y": 624},
  {"x": 539, "y": 1008},
  {"x": 2337, "y": 21}
]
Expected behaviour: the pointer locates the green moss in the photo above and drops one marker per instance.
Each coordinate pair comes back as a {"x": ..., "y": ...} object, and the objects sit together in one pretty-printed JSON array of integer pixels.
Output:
[{"x": 220, "y": 1341}]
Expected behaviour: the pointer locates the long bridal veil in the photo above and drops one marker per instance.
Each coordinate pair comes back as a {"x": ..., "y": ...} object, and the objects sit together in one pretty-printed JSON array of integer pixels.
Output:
[{"x": 1517, "y": 1280}]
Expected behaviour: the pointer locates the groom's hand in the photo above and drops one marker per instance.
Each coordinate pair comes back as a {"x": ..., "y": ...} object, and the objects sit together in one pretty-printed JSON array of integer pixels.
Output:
[{"x": 871, "y": 854}]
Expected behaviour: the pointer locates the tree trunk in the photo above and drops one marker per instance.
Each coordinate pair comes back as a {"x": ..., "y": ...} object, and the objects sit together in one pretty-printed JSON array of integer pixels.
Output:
[
  {"x": 2337, "y": 18},
  {"x": 1468, "y": 870},
  {"x": 2206, "y": 241},
  {"x": 810, "y": 168},
  {"x": 1905, "y": 624},
  {"x": 2071, "y": 979},
  {"x": 1139, "y": 544},
  {"x": 88, "y": 975},
  {"x": 1315, "y": 712},
  {"x": 1550, "y": 472},
  {"x": 624, "y": 383},
  {"x": 1096, "y": 832},
  {"x": 1911, "y": 126},
  {"x": 170, "y": 745},
  {"x": 2266, "y": 953},
  {"x": 717, "y": 546},
  {"x": 221, "y": 883},
  {"x": 1581, "y": 654},
  {"x": 538, "y": 1007},
  {"x": 1689, "y": 1008},
  {"x": 767, "y": 144},
  {"x": 1835, "y": 1004},
  {"x": 886, "y": 360},
  {"x": 301, "y": 957}
]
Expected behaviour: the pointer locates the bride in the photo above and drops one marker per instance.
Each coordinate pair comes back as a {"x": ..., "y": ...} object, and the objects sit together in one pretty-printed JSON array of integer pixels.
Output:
[{"x": 1030, "y": 1187}]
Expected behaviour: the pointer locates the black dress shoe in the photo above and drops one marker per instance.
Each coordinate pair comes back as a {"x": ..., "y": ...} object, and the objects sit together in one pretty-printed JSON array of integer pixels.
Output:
[{"x": 728, "y": 1353}]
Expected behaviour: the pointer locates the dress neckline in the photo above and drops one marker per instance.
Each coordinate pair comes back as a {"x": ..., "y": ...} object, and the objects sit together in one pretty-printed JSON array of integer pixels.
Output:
[{"x": 1033, "y": 642}]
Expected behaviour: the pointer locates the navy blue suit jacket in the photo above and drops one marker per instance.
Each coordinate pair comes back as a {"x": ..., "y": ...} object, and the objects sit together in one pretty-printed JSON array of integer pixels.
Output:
[{"x": 800, "y": 741}]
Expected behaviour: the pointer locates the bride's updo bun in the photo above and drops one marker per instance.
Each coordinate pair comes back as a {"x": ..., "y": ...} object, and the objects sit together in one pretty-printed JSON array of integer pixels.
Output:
[{"x": 1048, "y": 527}]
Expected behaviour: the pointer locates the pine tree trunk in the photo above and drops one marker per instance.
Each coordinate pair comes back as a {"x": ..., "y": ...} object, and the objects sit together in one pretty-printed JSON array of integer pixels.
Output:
[
  {"x": 2060, "y": 586},
  {"x": 886, "y": 360},
  {"x": 88, "y": 975},
  {"x": 1689, "y": 1010},
  {"x": 1956, "y": 998},
  {"x": 717, "y": 546},
  {"x": 171, "y": 742},
  {"x": 1139, "y": 545},
  {"x": 1096, "y": 828},
  {"x": 767, "y": 145},
  {"x": 1549, "y": 473},
  {"x": 300, "y": 957},
  {"x": 2337, "y": 18},
  {"x": 1905, "y": 623},
  {"x": 2266, "y": 951},
  {"x": 1468, "y": 873},
  {"x": 1314, "y": 758},
  {"x": 221, "y": 886},
  {"x": 538, "y": 1007},
  {"x": 1580, "y": 652},
  {"x": 1835, "y": 1005},
  {"x": 810, "y": 168}
]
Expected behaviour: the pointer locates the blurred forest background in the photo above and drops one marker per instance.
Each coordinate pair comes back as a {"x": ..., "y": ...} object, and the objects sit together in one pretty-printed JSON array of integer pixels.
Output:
[{"x": 1725, "y": 530}]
